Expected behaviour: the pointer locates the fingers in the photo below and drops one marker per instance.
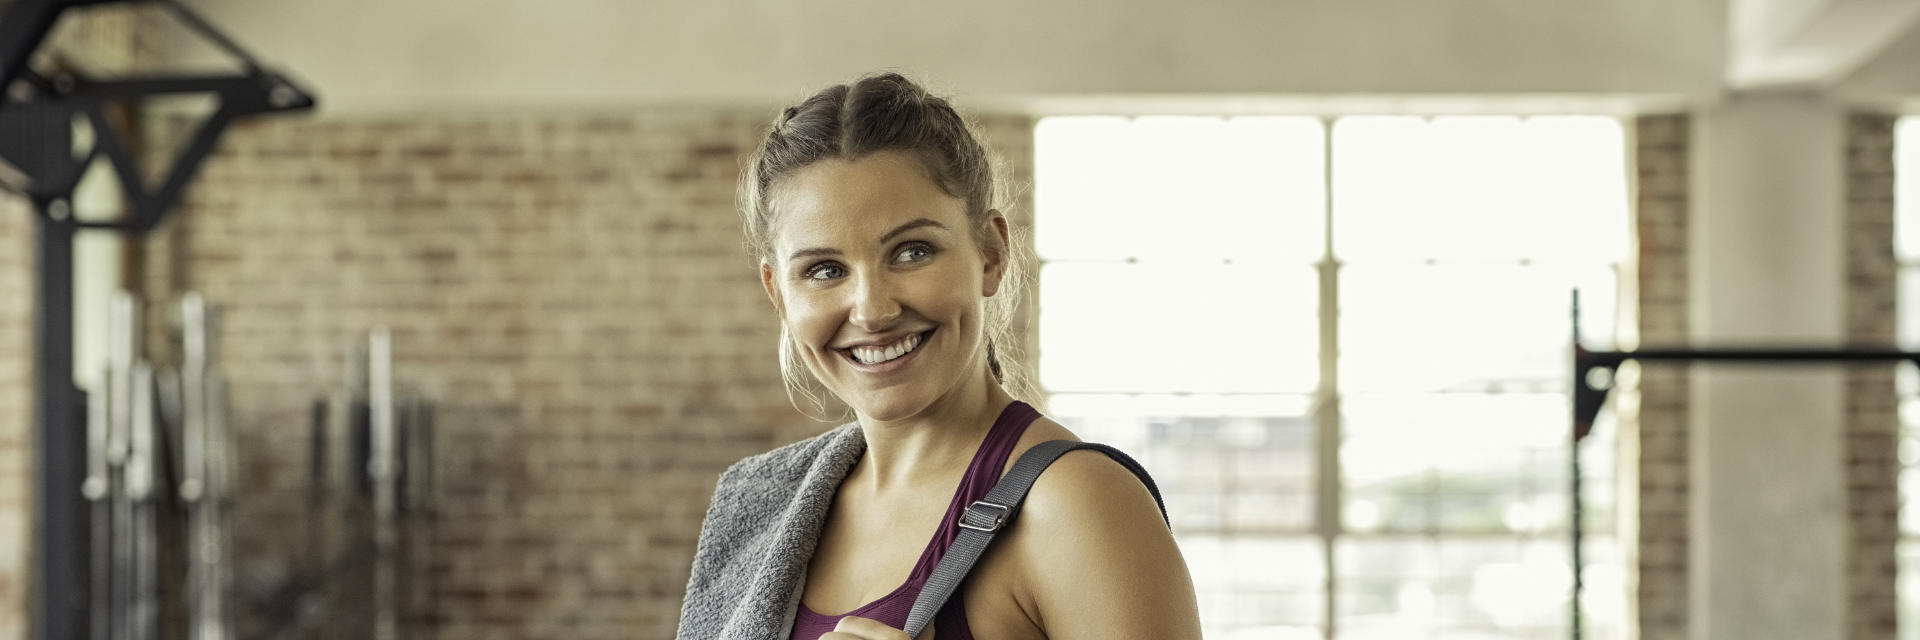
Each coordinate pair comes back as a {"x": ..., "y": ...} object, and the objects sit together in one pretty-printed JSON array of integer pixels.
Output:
[{"x": 852, "y": 628}]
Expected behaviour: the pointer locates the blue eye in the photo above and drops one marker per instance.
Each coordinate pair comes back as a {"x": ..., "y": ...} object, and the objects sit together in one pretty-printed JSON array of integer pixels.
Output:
[
  {"x": 814, "y": 272},
  {"x": 916, "y": 252}
]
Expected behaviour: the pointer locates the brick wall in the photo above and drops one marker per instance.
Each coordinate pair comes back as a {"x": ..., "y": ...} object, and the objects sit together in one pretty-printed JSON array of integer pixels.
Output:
[
  {"x": 1661, "y": 223},
  {"x": 569, "y": 290},
  {"x": 1872, "y": 419},
  {"x": 16, "y": 411}
]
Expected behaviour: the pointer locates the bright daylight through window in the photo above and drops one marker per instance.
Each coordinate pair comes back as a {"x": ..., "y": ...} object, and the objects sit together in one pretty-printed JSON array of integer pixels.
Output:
[
  {"x": 1342, "y": 345},
  {"x": 1906, "y": 221}
]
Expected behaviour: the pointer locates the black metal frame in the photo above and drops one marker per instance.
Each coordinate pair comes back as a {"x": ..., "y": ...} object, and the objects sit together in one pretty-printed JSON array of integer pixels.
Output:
[
  {"x": 37, "y": 160},
  {"x": 1589, "y": 396}
]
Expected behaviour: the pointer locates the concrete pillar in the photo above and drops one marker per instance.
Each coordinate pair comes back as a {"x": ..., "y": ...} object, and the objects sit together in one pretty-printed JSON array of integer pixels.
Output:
[{"x": 1769, "y": 514}]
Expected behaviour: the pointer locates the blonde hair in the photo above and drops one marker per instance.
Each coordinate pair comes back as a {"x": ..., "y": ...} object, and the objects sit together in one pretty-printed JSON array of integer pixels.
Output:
[{"x": 888, "y": 112}]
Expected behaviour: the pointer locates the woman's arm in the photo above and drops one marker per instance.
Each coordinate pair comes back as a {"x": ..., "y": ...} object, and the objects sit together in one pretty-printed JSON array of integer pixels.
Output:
[{"x": 1097, "y": 559}]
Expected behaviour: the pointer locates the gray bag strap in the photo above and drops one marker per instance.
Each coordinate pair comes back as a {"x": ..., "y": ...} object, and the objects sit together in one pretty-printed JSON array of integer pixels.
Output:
[{"x": 985, "y": 518}]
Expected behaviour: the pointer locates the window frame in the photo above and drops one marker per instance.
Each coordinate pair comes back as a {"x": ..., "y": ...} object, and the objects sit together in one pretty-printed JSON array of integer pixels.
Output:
[{"x": 1326, "y": 527}]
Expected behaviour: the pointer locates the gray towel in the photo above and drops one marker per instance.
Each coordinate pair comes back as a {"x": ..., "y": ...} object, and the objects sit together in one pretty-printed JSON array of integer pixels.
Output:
[{"x": 759, "y": 535}]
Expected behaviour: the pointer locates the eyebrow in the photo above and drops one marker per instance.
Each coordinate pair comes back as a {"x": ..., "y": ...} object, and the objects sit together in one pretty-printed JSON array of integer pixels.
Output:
[{"x": 915, "y": 224}]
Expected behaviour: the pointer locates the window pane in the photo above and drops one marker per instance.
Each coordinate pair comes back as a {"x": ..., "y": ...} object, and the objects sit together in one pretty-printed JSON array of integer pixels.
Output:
[
  {"x": 1906, "y": 227},
  {"x": 1906, "y": 188},
  {"x": 1182, "y": 327},
  {"x": 1604, "y": 589},
  {"x": 1907, "y": 301},
  {"x": 1179, "y": 188},
  {"x": 1480, "y": 188},
  {"x": 1249, "y": 474},
  {"x": 1908, "y": 587},
  {"x": 1257, "y": 587},
  {"x": 1406, "y": 587},
  {"x": 1463, "y": 463},
  {"x": 1466, "y": 327},
  {"x": 1909, "y": 486}
]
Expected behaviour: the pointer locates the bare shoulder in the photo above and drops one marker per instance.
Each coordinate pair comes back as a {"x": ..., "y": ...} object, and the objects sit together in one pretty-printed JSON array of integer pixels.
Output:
[
  {"x": 1096, "y": 559},
  {"x": 1081, "y": 480}
]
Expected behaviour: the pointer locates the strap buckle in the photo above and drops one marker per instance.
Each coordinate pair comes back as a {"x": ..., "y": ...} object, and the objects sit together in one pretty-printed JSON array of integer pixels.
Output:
[{"x": 995, "y": 525}]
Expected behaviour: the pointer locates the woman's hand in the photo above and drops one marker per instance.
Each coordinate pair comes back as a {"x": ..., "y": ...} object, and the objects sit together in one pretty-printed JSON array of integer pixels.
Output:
[{"x": 852, "y": 628}]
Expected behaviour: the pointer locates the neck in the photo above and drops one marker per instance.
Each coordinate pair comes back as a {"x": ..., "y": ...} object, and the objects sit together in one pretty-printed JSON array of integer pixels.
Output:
[{"x": 931, "y": 445}]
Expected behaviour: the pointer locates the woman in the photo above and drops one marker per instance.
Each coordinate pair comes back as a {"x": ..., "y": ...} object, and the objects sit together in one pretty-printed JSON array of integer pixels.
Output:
[{"x": 870, "y": 208}]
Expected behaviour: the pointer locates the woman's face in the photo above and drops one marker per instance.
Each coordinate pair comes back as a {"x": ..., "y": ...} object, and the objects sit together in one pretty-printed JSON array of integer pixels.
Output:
[{"x": 880, "y": 282}]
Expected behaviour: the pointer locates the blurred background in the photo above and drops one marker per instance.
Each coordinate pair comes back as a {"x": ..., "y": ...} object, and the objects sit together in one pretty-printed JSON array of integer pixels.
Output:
[{"x": 461, "y": 350}]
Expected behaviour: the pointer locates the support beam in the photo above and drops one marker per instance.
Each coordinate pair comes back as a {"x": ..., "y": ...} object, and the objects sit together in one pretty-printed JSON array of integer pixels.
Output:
[{"x": 1809, "y": 43}]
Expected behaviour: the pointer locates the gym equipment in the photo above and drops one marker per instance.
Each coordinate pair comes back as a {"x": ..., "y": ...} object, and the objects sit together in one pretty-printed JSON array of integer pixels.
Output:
[
  {"x": 1595, "y": 371},
  {"x": 364, "y": 540},
  {"x": 158, "y": 484},
  {"x": 205, "y": 484},
  {"x": 42, "y": 113}
]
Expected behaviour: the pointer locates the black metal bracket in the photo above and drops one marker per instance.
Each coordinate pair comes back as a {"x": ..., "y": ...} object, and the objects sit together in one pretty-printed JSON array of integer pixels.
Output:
[
  {"x": 40, "y": 115},
  {"x": 37, "y": 154}
]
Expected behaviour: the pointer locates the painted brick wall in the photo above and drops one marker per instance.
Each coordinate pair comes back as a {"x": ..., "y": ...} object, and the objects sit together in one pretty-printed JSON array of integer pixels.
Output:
[
  {"x": 1872, "y": 418},
  {"x": 1661, "y": 223},
  {"x": 569, "y": 290}
]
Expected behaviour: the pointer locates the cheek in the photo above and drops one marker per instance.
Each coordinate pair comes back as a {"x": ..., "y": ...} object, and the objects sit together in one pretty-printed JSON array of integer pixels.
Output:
[
  {"x": 808, "y": 317},
  {"x": 950, "y": 293}
]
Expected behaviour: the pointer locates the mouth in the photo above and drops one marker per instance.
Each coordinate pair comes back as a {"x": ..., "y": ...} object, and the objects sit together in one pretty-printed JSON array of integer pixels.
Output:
[{"x": 890, "y": 358}]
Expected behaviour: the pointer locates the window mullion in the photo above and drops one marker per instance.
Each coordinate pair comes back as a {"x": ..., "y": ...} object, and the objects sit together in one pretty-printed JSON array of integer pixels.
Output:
[{"x": 1327, "y": 404}]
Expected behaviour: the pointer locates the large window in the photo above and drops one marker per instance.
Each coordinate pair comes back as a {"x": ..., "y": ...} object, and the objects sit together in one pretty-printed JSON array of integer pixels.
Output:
[
  {"x": 1906, "y": 204},
  {"x": 1341, "y": 346}
]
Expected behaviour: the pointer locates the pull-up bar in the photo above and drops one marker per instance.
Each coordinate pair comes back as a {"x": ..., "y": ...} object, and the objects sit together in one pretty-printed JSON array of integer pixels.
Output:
[{"x": 1590, "y": 393}]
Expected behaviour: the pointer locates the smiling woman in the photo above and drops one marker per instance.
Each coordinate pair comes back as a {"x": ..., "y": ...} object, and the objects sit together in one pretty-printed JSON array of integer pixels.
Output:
[{"x": 870, "y": 209}]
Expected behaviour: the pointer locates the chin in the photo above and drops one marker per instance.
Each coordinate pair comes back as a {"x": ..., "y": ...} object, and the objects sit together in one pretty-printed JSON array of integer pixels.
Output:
[{"x": 890, "y": 405}]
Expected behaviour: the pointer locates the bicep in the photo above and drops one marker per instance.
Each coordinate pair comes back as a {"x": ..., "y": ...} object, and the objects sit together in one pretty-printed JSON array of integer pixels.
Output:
[{"x": 1098, "y": 560}]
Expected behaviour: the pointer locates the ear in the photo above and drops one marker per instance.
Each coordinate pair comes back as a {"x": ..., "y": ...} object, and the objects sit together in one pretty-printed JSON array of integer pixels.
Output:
[
  {"x": 997, "y": 256},
  {"x": 773, "y": 292}
]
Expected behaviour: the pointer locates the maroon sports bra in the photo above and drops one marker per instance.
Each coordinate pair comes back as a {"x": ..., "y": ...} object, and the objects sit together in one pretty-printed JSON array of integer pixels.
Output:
[{"x": 950, "y": 623}]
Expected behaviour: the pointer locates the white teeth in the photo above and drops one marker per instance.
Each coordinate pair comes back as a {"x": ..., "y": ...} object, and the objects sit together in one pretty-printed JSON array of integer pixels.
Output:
[{"x": 877, "y": 355}]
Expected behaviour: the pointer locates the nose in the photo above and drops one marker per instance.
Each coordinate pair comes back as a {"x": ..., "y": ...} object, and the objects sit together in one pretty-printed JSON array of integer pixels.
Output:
[{"x": 875, "y": 305}]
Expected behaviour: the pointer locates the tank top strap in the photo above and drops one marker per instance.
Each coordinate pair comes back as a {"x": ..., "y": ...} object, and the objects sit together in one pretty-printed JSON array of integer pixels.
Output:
[{"x": 981, "y": 475}]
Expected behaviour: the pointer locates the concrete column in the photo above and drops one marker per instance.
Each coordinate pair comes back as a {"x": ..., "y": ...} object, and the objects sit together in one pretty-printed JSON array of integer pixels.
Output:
[{"x": 1768, "y": 505}]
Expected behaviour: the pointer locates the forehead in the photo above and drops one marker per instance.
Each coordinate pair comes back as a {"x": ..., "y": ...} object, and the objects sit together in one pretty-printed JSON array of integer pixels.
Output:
[{"x": 837, "y": 203}]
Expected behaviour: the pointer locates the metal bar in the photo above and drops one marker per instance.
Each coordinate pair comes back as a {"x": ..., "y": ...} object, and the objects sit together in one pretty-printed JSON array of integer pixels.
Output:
[
  {"x": 193, "y": 468},
  {"x": 1764, "y": 354},
  {"x": 95, "y": 490},
  {"x": 1589, "y": 396},
  {"x": 123, "y": 355},
  {"x": 316, "y": 487},
  {"x": 60, "y": 591},
  {"x": 381, "y": 467},
  {"x": 258, "y": 92},
  {"x": 144, "y": 614},
  {"x": 153, "y": 207},
  {"x": 1573, "y": 457},
  {"x": 158, "y": 85},
  {"x": 219, "y": 501},
  {"x": 124, "y": 163},
  {"x": 23, "y": 25}
]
